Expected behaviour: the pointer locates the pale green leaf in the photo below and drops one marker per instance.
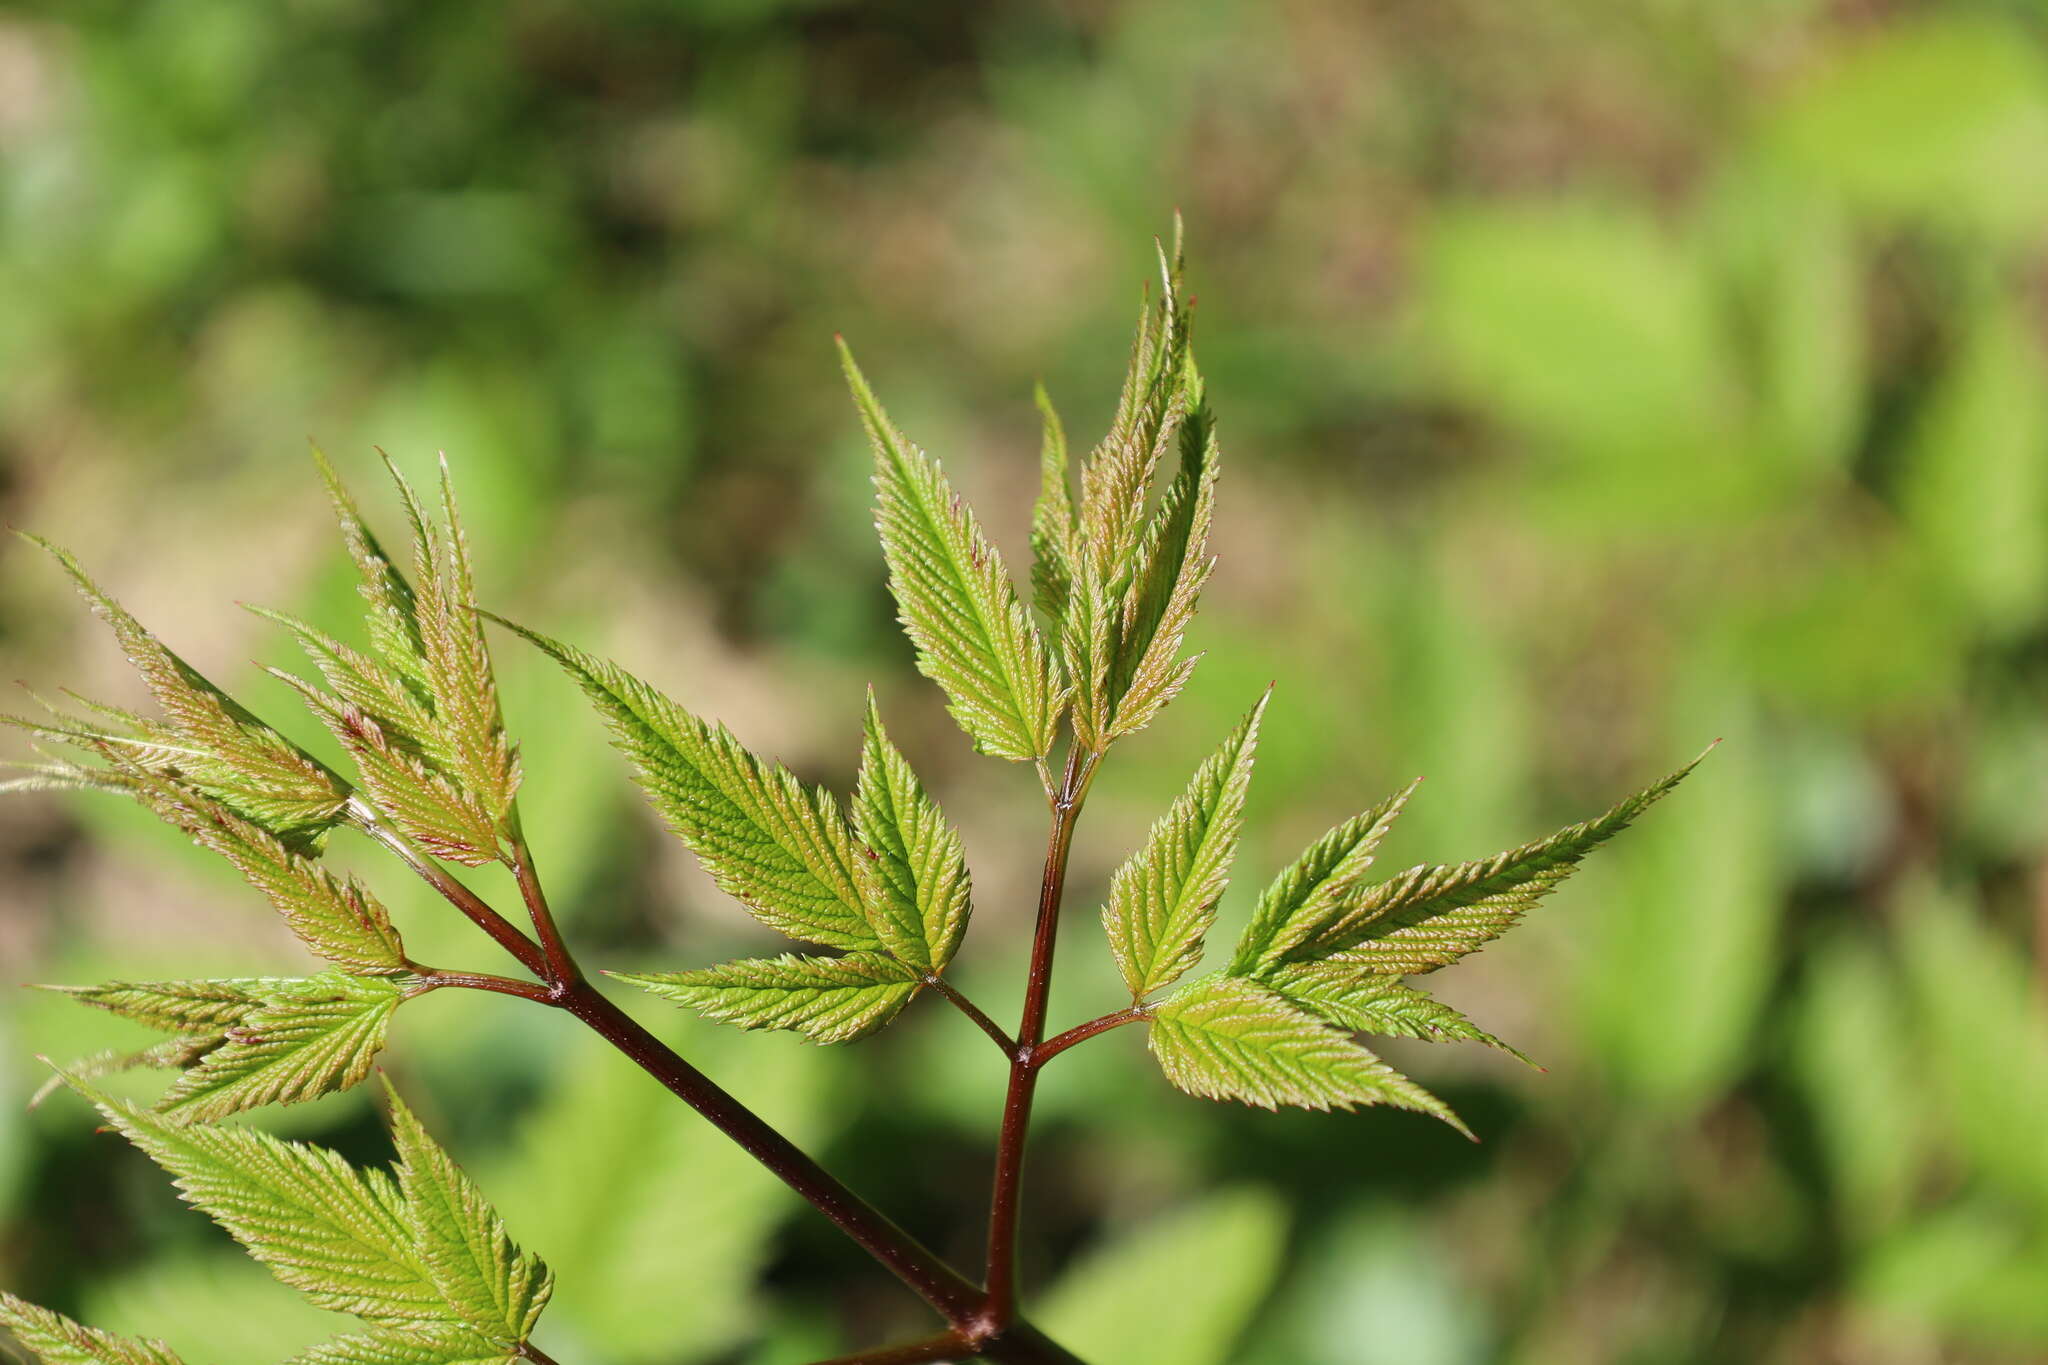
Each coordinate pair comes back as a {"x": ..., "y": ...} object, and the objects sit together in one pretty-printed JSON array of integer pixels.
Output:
[
  {"x": 1311, "y": 892},
  {"x": 1366, "y": 1003},
  {"x": 55, "y": 1339},
  {"x": 1117, "y": 479},
  {"x": 1430, "y": 916},
  {"x": 1162, "y": 901},
  {"x": 444, "y": 1345},
  {"x": 305, "y": 1039},
  {"x": 972, "y": 635},
  {"x": 221, "y": 747},
  {"x": 194, "y": 1007},
  {"x": 783, "y": 849},
  {"x": 1227, "y": 1038},
  {"x": 491, "y": 1284},
  {"x": 920, "y": 893},
  {"x": 1055, "y": 543},
  {"x": 826, "y": 999},
  {"x": 335, "y": 1233},
  {"x": 393, "y": 611},
  {"x": 1088, "y": 644}
]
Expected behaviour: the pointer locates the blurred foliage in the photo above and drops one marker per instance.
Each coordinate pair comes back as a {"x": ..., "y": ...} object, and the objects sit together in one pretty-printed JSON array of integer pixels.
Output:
[{"x": 1596, "y": 378}]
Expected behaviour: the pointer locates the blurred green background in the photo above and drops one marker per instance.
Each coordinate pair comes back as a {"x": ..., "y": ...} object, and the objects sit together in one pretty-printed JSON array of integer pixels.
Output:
[{"x": 1596, "y": 378}]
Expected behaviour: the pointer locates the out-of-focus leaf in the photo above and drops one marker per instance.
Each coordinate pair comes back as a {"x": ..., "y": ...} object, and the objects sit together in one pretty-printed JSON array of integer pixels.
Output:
[{"x": 1178, "y": 1291}]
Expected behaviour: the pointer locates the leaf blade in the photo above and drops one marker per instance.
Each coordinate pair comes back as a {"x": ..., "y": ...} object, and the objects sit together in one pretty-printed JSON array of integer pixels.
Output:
[
  {"x": 826, "y": 999},
  {"x": 303, "y": 1040},
  {"x": 922, "y": 894}
]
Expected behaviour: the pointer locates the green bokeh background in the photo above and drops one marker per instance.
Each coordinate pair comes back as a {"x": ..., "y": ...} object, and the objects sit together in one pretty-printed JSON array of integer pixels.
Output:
[{"x": 1597, "y": 378}]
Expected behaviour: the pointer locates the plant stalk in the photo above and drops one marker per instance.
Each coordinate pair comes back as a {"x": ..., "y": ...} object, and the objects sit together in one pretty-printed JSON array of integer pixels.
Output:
[
  {"x": 1004, "y": 1201},
  {"x": 1081, "y": 1033}
]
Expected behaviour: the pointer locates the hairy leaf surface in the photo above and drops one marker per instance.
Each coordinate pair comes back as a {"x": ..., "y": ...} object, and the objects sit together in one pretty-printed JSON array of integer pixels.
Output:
[
  {"x": 957, "y": 603},
  {"x": 826, "y": 999},
  {"x": 56, "y": 1340},
  {"x": 491, "y": 1284},
  {"x": 783, "y": 849},
  {"x": 1366, "y": 1003},
  {"x": 1162, "y": 901},
  {"x": 1311, "y": 892},
  {"x": 1430, "y": 916},
  {"x": 1227, "y": 1038},
  {"x": 920, "y": 893},
  {"x": 195, "y": 1007},
  {"x": 305, "y": 1039}
]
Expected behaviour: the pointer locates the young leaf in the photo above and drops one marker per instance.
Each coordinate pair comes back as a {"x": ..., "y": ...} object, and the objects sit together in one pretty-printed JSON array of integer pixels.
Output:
[
  {"x": 221, "y": 748},
  {"x": 205, "y": 1008},
  {"x": 56, "y": 1340},
  {"x": 335, "y": 1233},
  {"x": 920, "y": 890},
  {"x": 333, "y": 916},
  {"x": 171, "y": 1054},
  {"x": 393, "y": 614},
  {"x": 1055, "y": 543},
  {"x": 1173, "y": 563},
  {"x": 1088, "y": 644},
  {"x": 1227, "y": 1038},
  {"x": 781, "y": 848},
  {"x": 1312, "y": 891},
  {"x": 306, "y": 1039},
  {"x": 1163, "y": 899},
  {"x": 441, "y": 1345},
  {"x": 1365, "y": 1003},
  {"x": 1430, "y": 916},
  {"x": 494, "y": 1287},
  {"x": 973, "y": 637},
  {"x": 827, "y": 999}
]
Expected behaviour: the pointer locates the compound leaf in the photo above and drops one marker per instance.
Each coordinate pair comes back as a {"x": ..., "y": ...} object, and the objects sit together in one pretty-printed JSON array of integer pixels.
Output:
[
  {"x": 491, "y": 1284},
  {"x": 826, "y": 999},
  {"x": 783, "y": 849},
  {"x": 1311, "y": 892},
  {"x": 1228, "y": 1038},
  {"x": 1432, "y": 915},
  {"x": 56, "y": 1340},
  {"x": 305, "y": 1039},
  {"x": 1162, "y": 901},
  {"x": 972, "y": 635},
  {"x": 920, "y": 892}
]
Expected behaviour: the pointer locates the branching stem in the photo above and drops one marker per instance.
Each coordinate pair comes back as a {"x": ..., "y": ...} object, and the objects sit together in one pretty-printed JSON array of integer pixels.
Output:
[
  {"x": 1004, "y": 1200},
  {"x": 502, "y": 931},
  {"x": 1081, "y": 1033}
]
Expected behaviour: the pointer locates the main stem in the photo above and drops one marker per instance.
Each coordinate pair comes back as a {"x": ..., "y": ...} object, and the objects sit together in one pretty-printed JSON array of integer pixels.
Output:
[{"x": 1005, "y": 1201}]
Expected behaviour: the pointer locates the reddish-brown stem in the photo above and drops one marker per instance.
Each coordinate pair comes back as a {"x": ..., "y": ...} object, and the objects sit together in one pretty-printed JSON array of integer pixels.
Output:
[
  {"x": 561, "y": 964},
  {"x": 973, "y": 1012},
  {"x": 1081, "y": 1033},
  {"x": 1004, "y": 1201},
  {"x": 433, "y": 979},
  {"x": 529, "y": 1351},
  {"x": 502, "y": 931}
]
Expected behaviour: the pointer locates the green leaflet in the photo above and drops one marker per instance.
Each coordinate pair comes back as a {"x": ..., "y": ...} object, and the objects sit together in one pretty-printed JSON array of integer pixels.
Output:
[
  {"x": 1430, "y": 916},
  {"x": 1311, "y": 893},
  {"x": 826, "y": 999},
  {"x": 957, "y": 604},
  {"x": 1162, "y": 901},
  {"x": 333, "y": 916},
  {"x": 57, "y": 1340},
  {"x": 194, "y": 1007},
  {"x": 783, "y": 849},
  {"x": 440, "y": 1346},
  {"x": 335, "y": 1233},
  {"x": 421, "y": 1258},
  {"x": 305, "y": 1039},
  {"x": 209, "y": 740},
  {"x": 919, "y": 891},
  {"x": 393, "y": 611},
  {"x": 493, "y": 1286},
  {"x": 1227, "y": 1038},
  {"x": 1365, "y": 1003},
  {"x": 1055, "y": 545}
]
